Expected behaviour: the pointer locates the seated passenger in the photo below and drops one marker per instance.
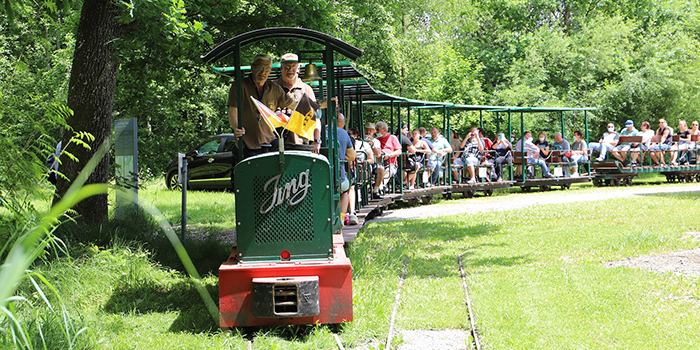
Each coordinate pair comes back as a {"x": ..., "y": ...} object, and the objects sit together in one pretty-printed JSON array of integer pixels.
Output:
[
  {"x": 682, "y": 145},
  {"x": 409, "y": 159},
  {"x": 503, "y": 149},
  {"x": 455, "y": 141},
  {"x": 606, "y": 143},
  {"x": 346, "y": 152},
  {"x": 365, "y": 159},
  {"x": 422, "y": 149},
  {"x": 472, "y": 148},
  {"x": 542, "y": 143},
  {"x": 377, "y": 167},
  {"x": 533, "y": 154},
  {"x": 487, "y": 143},
  {"x": 423, "y": 136},
  {"x": 563, "y": 146},
  {"x": 620, "y": 151},
  {"x": 647, "y": 134},
  {"x": 390, "y": 147},
  {"x": 665, "y": 143},
  {"x": 579, "y": 153},
  {"x": 694, "y": 132},
  {"x": 441, "y": 147}
]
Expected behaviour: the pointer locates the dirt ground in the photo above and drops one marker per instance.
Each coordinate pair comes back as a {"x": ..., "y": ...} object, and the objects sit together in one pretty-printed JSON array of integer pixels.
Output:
[{"x": 685, "y": 262}]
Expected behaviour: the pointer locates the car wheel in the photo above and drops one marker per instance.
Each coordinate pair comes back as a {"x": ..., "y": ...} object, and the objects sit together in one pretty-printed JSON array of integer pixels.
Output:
[{"x": 173, "y": 181}]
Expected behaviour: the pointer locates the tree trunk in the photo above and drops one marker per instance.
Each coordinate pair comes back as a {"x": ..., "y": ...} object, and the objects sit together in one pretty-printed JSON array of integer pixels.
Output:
[{"x": 91, "y": 97}]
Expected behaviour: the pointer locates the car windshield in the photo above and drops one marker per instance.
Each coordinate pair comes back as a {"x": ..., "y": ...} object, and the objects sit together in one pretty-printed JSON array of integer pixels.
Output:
[{"x": 209, "y": 147}]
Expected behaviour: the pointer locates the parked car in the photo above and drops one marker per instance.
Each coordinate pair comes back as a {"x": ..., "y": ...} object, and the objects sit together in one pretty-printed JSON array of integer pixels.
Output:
[{"x": 210, "y": 165}]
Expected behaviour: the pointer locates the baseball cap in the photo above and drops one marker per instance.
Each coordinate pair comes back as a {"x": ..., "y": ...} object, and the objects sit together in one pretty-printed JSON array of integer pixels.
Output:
[
  {"x": 289, "y": 57},
  {"x": 369, "y": 125},
  {"x": 629, "y": 123}
]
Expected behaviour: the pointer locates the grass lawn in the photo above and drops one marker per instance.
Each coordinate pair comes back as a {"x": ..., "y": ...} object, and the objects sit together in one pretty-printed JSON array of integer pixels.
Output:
[{"x": 535, "y": 276}]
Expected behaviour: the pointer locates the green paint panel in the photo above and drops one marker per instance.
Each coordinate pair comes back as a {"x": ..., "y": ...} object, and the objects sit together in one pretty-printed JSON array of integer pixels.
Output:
[{"x": 284, "y": 207}]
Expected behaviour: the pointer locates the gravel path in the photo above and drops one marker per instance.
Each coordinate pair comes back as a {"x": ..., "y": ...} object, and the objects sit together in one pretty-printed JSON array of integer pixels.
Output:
[{"x": 484, "y": 204}]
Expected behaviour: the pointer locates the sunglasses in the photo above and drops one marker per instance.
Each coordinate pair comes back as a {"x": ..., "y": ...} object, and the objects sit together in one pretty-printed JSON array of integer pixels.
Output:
[{"x": 288, "y": 67}]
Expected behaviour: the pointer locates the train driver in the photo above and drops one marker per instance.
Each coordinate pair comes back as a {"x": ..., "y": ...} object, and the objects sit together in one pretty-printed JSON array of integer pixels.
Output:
[{"x": 257, "y": 136}]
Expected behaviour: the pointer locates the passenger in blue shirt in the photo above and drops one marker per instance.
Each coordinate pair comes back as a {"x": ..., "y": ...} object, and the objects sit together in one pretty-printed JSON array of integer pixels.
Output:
[{"x": 346, "y": 151}]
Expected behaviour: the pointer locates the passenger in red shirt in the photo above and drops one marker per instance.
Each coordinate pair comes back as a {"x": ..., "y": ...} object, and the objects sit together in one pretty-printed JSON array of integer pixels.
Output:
[{"x": 390, "y": 145}]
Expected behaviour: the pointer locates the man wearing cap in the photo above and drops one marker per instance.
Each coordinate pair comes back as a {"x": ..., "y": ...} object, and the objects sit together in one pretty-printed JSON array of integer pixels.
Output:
[
  {"x": 620, "y": 151},
  {"x": 377, "y": 167},
  {"x": 257, "y": 135},
  {"x": 295, "y": 88}
]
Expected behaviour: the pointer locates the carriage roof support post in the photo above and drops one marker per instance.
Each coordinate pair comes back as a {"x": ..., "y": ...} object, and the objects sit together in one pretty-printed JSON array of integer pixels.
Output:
[
  {"x": 448, "y": 176},
  {"x": 481, "y": 119},
  {"x": 510, "y": 134},
  {"x": 399, "y": 136},
  {"x": 408, "y": 118},
  {"x": 332, "y": 112},
  {"x": 238, "y": 76},
  {"x": 391, "y": 116},
  {"x": 398, "y": 120},
  {"x": 522, "y": 147},
  {"x": 419, "y": 121},
  {"x": 341, "y": 102},
  {"x": 360, "y": 116},
  {"x": 585, "y": 124},
  {"x": 444, "y": 119},
  {"x": 563, "y": 134}
]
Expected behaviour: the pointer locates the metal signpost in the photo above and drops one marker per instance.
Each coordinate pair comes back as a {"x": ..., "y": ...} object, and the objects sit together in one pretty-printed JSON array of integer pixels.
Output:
[
  {"x": 126, "y": 159},
  {"x": 182, "y": 178}
]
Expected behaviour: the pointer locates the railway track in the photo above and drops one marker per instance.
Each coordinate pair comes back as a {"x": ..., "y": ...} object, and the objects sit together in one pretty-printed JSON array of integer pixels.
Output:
[{"x": 472, "y": 331}]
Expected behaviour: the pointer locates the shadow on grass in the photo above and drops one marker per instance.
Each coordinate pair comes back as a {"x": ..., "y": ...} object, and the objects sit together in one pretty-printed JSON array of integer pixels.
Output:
[
  {"x": 292, "y": 333},
  {"x": 181, "y": 297},
  {"x": 432, "y": 247},
  {"x": 689, "y": 194},
  {"x": 134, "y": 227},
  {"x": 440, "y": 264},
  {"x": 469, "y": 258}
]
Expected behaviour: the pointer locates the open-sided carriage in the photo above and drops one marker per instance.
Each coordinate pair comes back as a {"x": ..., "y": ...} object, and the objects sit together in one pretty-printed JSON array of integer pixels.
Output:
[
  {"x": 557, "y": 160},
  {"x": 612, "y": 172}
]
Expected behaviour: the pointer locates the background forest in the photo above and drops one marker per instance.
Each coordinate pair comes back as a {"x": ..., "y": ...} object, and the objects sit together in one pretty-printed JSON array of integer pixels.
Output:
[{"x": 631, "y": 59}]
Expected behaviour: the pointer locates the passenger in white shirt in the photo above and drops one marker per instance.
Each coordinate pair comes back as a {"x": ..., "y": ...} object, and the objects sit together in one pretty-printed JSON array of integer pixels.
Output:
[
  {"x": 646, "y": 134},
  {"x": 533, "y": 154},
  {"x": 606, "y": 143}
]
